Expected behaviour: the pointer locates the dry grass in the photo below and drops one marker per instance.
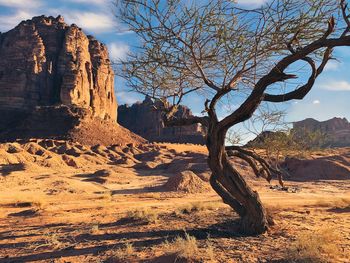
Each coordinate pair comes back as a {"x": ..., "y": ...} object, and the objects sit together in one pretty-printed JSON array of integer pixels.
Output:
[
  {"x": 183, "y": 247},
  {"x": 318, "y": 246},
  {"x": 188, "y": 248},
  {"x": 209, "y": 251},
  {"x": 195, "y": 207},
  {"x": 123, "y": 253},
  {"x": 55, "y": 240},
  {"x": 95, "y": 229},
  {"x": 145, "y": 215}
]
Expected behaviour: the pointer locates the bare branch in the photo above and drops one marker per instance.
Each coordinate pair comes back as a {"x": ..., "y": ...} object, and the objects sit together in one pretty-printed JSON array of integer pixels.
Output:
[
  {"x": 266, "y": 167},
  {"x": 187, "y": 121}
]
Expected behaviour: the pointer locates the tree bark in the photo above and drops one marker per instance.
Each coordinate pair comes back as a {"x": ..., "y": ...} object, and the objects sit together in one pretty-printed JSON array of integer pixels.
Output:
[
  {"x": 232, "y": 188},
  {"x": 227, "y": 181}
]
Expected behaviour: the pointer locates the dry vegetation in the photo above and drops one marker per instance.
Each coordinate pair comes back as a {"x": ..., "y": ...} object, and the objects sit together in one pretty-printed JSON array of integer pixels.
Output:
[
  {"x": 321, "y": 245},
  {"x": 145, "y": 215},
  {"x": 53, "y": 212}
]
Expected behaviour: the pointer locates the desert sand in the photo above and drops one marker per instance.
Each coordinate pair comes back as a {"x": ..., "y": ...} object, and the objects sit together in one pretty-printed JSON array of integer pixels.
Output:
[{"x": 65, "y": 202}]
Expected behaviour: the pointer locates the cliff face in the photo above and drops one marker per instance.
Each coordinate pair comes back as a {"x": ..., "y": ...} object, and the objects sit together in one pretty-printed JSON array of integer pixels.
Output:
[
  {"x": 145, "y": 120},
  {"x": 45, "y": 62},
  {"x": 57, "y": 83}
]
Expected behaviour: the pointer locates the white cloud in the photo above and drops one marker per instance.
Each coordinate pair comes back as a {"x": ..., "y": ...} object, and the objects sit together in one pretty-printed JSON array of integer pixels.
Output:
[
  {"x": 96, "y": 22},
  {"x": 10, "y": 21},
  {"x": 306, "y": 109},
  {"x": 125, "y": 97},
  {"x": 22, "y": 4},
  {"x": 331, "y": 66},
  {"x": 96, "y": 2},
  {"x": 316, "y": 102},
  {"x": 335, "y": 85},
  {"x": 252, "y": 3},
  {"x": 118, "y": 51}
]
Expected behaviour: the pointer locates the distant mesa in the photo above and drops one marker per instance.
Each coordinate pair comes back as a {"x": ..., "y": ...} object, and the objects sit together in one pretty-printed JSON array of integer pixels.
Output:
[
  {"x": 55, "y": 81},
  {"x": 336, "y": 132},
  {"x": 145, "y": 119}
]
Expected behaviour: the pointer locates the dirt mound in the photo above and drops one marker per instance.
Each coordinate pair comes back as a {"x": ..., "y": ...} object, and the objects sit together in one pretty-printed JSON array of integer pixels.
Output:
[
  {"x": 187, "y": 182},
  {"x": 93, "y": 131},
  {"x": 323, "y": 168}
]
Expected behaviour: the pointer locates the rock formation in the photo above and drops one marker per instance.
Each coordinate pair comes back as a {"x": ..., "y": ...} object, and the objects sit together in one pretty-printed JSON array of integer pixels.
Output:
[
  {"x": 45, "y": 62},
  {"x": 331, "y": 133},
  {"x": 266, "y": 136},
  {"x": 336, "y": 130},
  {"x": 56, "y": 82},
  {"x": 145, "y": 120}
]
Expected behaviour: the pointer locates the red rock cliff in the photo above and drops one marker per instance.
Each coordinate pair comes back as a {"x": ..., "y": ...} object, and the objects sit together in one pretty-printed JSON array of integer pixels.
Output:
[{"x": 45, "y": 62}]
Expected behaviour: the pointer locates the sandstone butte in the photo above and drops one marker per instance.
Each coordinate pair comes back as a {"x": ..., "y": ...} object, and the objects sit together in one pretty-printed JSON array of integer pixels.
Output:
[
  {"x": 57, "y": 82},
  {"x": 144, "y": 118}
]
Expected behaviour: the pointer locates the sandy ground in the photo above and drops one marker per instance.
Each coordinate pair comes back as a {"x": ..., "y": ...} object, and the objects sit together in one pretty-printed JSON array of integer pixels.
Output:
[{"x": 64, "y": 202}]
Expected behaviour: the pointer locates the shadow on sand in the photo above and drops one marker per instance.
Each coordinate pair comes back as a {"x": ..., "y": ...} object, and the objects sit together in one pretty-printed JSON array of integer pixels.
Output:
[
  {"x": 7, "y": 169},
  {"x": 142, "y": 239}
]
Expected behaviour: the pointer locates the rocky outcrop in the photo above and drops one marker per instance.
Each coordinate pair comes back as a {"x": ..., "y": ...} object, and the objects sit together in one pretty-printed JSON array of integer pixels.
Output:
[
  {"x": 265, "y": 137},
  {"x": 57, "y": 83},
  {"x": 45, "y": 62},
  {"x": 145, "y": 120},
  {"x": 336, "y": 130}
]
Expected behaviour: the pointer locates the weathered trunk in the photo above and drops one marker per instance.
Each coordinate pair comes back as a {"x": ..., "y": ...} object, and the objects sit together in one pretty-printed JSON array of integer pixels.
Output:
[{"x": 232, "y": 187}]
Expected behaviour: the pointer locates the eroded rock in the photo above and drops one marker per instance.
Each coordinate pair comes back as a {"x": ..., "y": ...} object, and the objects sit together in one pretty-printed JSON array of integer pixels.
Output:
[{"x": 44, "y": 62}]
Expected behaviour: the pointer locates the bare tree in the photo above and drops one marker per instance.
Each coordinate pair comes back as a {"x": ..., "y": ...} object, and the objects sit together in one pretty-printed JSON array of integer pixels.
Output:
[{"x": 217, "y": 49}]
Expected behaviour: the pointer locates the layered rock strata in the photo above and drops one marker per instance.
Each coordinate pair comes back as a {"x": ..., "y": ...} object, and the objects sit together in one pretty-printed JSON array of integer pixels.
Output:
[{"x": 44, "y": 62}]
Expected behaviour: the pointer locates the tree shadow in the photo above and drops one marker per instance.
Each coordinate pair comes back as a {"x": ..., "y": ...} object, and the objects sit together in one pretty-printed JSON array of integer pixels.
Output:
[
  {"x": 98, "y": 177},
  {"x": 7, "y": 169},
  {"x": 142, "y": 239},
  {"x": 339, "y": 210},
  {"x": 25, "y": 213}
]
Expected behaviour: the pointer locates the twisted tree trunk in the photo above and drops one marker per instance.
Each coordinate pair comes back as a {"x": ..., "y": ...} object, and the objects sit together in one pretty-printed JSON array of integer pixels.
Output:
[{"x": 232, "y": 188}]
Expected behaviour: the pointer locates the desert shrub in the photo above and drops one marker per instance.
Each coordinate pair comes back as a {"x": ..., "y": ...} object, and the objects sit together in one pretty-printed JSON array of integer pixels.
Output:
[
  {"x": 209, "y": 250},
  {"x": 186, "y": 247},
  {"x": 125, "y": 252},
  {"x": 195, "y": 207},
  {"x": 145, "y": 215},
  {"x": 316, "y": 247},
  {"x": 95, "y": 228}
]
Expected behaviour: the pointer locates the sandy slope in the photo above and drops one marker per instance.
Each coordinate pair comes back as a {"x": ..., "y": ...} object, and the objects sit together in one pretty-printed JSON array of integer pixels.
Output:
[{"x": 65, "y": 202}]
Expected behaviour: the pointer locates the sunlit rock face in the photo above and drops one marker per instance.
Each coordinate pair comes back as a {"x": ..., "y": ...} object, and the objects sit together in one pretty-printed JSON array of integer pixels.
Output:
[{"x": 45, "y": 62}]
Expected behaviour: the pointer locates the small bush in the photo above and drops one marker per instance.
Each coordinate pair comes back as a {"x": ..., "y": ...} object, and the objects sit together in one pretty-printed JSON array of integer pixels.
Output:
[
  {"x": 209, "y": 251},
  {"x": 145, "y": 215},
  {"x": 316, "y": 247},
  {"x": 127, "y": 251},
  {"x": 95, "y": 228},
  {"x": 186, "y": 248},
  {"x": 195, "y": 207}
]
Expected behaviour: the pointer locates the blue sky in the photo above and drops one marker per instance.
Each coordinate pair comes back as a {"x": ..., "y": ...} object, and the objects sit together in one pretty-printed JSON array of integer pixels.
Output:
[{"x": 329, "y": 98}]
